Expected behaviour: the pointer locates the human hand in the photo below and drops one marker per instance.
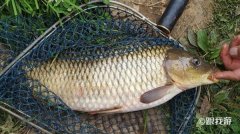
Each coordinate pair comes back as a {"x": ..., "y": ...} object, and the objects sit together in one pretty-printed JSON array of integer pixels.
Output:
[{"x": 230, "y": 55}]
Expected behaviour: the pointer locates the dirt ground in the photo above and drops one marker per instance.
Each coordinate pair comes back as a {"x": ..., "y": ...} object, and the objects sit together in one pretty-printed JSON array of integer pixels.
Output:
[{"x": 197, "y": 14}]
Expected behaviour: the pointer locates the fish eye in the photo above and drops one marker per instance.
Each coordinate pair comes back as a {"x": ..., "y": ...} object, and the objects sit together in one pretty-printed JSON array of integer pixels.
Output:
[{"x": 196, "y": 61}]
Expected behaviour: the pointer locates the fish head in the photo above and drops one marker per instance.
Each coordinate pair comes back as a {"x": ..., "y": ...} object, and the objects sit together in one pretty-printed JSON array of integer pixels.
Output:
[{"x": 187, "y": 70}]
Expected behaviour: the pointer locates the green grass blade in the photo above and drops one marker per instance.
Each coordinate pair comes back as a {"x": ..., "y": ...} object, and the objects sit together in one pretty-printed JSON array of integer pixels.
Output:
[
  {"x": 36, "y": 4},
  {"x": 30, "y": 9},
  {"x": 72, "y": 4},
  {"x": 14, "y": 7}
]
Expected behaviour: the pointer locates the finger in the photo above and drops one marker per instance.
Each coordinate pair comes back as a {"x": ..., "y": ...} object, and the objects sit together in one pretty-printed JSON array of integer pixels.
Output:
[
  {"x": 235, "y": 41},
  {"x": 226, "y": 58},
  {"x": 235, "y": 52},
  {"x": 227, "y": 75}
]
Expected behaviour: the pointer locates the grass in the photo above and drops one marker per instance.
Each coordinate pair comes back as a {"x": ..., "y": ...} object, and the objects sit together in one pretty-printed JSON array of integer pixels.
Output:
[
  {"x": 39, "y": 7},
  {"x": 222, "y": 99}
]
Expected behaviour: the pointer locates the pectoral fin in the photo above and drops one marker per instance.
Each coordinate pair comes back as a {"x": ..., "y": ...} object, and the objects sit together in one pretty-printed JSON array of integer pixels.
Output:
[
  {"x": 109, "y": 110},
  {"x": 155, "y": 94}
]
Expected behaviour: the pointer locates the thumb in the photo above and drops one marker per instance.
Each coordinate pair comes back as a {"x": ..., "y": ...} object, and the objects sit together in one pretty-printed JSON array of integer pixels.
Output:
[{"x": 227, "y": 75}]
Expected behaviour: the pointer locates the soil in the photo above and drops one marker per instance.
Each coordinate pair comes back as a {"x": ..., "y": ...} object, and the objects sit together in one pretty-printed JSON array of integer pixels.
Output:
[{"x": 197, "y": 14}]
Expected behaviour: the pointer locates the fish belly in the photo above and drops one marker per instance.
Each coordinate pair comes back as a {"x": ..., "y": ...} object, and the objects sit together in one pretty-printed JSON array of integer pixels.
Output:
[{"x": 114, "y": 82}]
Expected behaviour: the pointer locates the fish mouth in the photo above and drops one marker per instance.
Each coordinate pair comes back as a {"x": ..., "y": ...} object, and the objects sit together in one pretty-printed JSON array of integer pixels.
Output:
[{"x": 212, "y": 78}]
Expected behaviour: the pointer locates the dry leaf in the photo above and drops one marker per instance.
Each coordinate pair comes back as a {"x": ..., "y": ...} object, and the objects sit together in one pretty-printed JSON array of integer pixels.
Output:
[
  {"x": 192, "y": 37},
  {"x": 205, "y": 106}
]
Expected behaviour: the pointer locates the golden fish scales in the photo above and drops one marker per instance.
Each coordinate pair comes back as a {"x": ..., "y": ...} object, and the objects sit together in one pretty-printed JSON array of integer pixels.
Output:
[{"x": 112, "y": 84}]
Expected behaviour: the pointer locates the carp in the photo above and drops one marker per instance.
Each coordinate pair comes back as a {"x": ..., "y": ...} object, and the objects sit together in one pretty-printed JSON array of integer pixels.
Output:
[{"x": 134, "y": 81}]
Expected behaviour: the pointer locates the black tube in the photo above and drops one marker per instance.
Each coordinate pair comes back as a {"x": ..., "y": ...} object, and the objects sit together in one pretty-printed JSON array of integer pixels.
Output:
[{"x": 171, "y": 14}]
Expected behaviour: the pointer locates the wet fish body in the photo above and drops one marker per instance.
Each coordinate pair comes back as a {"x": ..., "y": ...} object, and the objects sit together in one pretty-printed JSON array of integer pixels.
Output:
[{"x": 130, "y": 82}]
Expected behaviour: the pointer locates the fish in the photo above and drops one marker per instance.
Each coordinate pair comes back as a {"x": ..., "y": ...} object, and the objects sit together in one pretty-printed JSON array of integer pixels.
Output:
[{"x": 124, "y": 83}]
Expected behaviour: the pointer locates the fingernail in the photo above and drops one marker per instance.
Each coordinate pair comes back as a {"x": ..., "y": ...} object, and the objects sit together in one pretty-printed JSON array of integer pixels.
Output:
[
  {"x": 233, "y": 51},
  {"x": 225, "y": 45}
]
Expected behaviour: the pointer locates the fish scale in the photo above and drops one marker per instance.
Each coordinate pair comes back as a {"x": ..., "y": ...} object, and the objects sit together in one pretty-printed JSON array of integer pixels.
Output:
[{"x": 105, "y": 83}]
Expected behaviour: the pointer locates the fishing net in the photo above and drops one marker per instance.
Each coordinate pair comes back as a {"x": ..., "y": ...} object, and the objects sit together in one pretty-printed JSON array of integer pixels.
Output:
[{"x": 99, "y": 31}]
